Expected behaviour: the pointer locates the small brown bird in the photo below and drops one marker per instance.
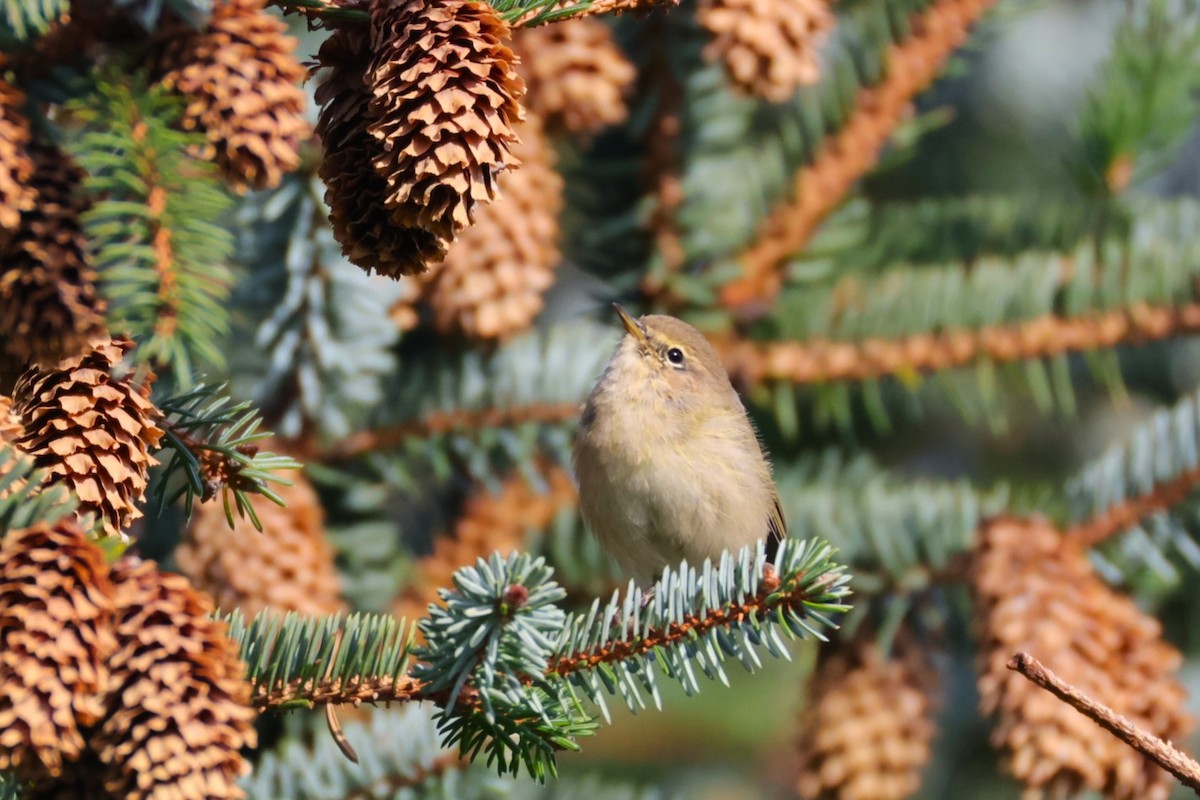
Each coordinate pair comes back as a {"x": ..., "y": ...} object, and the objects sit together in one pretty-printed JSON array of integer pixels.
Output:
[{"x": 668, "y": 463}]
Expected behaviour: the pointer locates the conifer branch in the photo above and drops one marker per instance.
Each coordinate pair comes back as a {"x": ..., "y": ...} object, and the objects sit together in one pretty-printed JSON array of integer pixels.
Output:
[
  {"x": 438, "y": 423},
  {"x": 853, "y": 150},
  {"x": 375, "y": 690},
  {"x": 520, "y": 13},
  {"x": 1127, "y": 513},
  {"x": 1163, "y": 753},
  {"x": 825, "y": 361}
]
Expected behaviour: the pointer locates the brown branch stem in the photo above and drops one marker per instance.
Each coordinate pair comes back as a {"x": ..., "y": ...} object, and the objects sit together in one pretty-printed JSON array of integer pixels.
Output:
[
  {"x": 823, "y": 360},
  {"x": 441, "y": 422},
  {"x": 848, "y": 154},
  {"x": 1160, "y": 752},
  {"x": 1125, "y": 515},
  {"x": 375, "y": 690}
]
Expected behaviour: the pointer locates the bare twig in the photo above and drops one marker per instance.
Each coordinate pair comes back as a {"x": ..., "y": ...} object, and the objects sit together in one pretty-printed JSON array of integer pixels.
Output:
[{"x": 1162, "y": 753}]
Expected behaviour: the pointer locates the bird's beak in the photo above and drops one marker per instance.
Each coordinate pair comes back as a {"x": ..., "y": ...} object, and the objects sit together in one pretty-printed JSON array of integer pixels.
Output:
[{"x": 631, "y": 325}]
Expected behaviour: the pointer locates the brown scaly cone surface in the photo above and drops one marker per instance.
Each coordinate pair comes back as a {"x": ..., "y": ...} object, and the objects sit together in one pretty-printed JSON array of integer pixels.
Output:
[
  {"x": 355, "y": 193},
  {"x": 444, "y": 102},
  {"x": 92, "y": 431},
  {"x": 241, "y": 80},
  {"x": 491, "y": 284},
  {"x": 16, "y": 166},
  {"x": 1036, "y": 593},
  {"x": 769, "y": 47},
  {"x": 56, "y": 607},
  {"x": 287, "y": 567},
  {"x": 868, "y": 728},
  {"x": 489, "y": 523},
  {"x": 575, "y": 74},
  {"x": 178, "y": 707},
  {"x": 49, "y": 307}
]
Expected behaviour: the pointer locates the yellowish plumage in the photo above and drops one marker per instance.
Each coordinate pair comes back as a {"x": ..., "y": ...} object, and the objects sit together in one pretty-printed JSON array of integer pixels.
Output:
[{"x": 669, "y": 466}]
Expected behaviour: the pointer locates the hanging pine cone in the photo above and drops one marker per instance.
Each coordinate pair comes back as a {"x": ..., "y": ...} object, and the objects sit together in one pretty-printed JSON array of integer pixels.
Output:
[
  {"x": 354, "y": 192},
  {"x": 16, "y": 166},
  {"x": 241, "y": 82},
  {"x": 868, "y": 728},
  {"x": 576, "y": 75},
  {"x": 498, "y": 522},
  {"x": 444, "y": 102},
  {"x": 287, "y": 567},
  {"x": 49, "y": 308},
  {"x": 178, "y": 710},
  {"x": 769, "y": 47},
  {"x": 91, "y": 430},
  {"x": 491, "y": 284},
  {"x": 1034, "y": 592},
  {"x": 56, "y": 607}
]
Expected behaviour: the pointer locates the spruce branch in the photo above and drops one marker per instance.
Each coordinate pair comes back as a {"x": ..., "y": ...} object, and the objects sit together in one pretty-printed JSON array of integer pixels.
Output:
[
  {"x": 1043, "y": 337},
  {"x": 1163, "y": 753},
  {"x": 23, "y": 20},
  {"x": 214, "y": 450},
  {"x": 160, "y": 253},
  {"x": 520, "y": 13},
  {"x": 853, "y": 149}
]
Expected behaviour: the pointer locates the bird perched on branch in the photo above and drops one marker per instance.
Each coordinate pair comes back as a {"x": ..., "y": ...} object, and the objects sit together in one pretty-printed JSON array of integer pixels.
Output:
[{"x": 668, "y": 463}]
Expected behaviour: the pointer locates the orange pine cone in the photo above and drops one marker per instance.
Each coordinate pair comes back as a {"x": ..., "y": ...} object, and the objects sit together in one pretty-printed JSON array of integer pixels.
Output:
[
  {"x": 490, "y": 523},
  {"x": 491, "y": 283},
  {"x": 49, "y": 306},
  {"x": 1035, "y": 592},
  {"x": 56, "y": 609},
  {"x": 355, "y": 193},
  {"x": 16, "y": 166},
  {"x": 241, "y": 80},
  {"x": 92, "y": 431},
  {"x": 868, "y": 728},
  {"x": 444, "y": 102},
  {"x": 576, "y": 75},
  {"x": 178, "y": 710},
  {"x": 769, "y": 47},
  {"x": 287, "y": 567}
]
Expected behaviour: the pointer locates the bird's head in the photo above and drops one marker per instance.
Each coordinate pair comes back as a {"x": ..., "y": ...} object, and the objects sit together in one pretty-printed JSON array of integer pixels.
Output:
[{"x": 666, "y": 358}]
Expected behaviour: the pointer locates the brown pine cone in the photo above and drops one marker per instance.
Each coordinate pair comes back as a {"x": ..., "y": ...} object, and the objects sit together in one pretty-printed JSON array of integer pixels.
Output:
[
  {"x": 869, "y": 725},
  {"x": 769, "y": 47},
  {"x": 1037, "y": 593},
  {"x": 355, "y": 193},
  {"x": 56, "y": 608},
  {"x": 491, "y": 284},
  {"x": 498, "y": 522},
  {"x": 444, "y": 102},
  {"x": 178, "y": 708},
  {"x": 287, "y": 567},
  {"x": 241, "y": 80},
  {"x": 49, "y": 306},
  {"x": 576, "y": 75},
  {"x": 91, "y": 430},
  {"x": 17, "y": 195}
]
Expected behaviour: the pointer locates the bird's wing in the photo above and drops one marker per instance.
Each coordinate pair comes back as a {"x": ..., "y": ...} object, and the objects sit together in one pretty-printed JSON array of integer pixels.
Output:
[{"x": 776, "y": 528}]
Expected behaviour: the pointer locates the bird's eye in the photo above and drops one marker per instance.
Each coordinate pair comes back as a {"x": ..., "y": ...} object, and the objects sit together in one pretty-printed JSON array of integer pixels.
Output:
[{"x": 675, "y": 355}]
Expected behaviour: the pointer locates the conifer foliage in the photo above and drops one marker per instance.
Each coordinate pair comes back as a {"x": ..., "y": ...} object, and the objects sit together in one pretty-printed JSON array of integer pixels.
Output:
[{"x": 299, "y": 300}]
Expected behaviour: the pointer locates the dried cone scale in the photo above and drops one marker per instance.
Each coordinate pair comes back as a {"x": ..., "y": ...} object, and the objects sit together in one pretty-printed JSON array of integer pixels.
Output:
[
  {"x": 178, "y": 708},
  {"x": 49, "y": 306},
  {"x": 241, "y": 79},
  {"x": 91, "y": 430},
  {"x": 491, "y": 283},
  {"x": 769, "y": 47},
  {"x": 498, "y": 522},
  {"x": 287, "y": 567},
  {"x": 1037, "y": 593},
  {"x": 354, "y": 192},
  {"x": 576, "y": 75},
  {"x": 444, "y": 103},
  {"x": 868, "y": 728},
  {"x": 56, "y": 609}
]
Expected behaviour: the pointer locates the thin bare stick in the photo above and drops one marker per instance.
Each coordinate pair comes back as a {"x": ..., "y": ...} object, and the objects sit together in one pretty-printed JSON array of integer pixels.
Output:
[{"x": 1162, "y": 753}]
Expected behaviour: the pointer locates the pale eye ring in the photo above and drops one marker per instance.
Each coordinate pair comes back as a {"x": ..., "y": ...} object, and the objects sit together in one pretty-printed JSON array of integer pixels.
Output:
[{"x": 675, "y": 356}]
